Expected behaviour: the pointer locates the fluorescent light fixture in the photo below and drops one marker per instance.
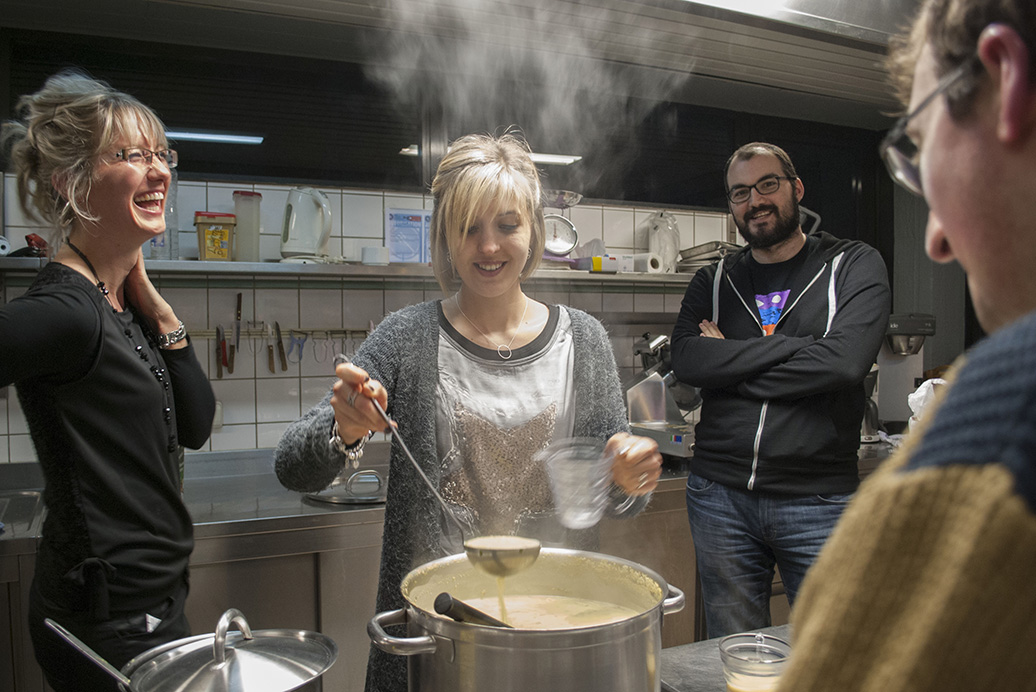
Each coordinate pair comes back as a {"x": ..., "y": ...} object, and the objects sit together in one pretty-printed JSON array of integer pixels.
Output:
[
  {"x": 221, "y": 138},
  {"x": 555, "y": 159}
]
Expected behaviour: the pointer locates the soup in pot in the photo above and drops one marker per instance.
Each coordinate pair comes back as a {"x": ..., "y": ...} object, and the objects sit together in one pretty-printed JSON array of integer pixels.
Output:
[{"x": 542, "y": 612}]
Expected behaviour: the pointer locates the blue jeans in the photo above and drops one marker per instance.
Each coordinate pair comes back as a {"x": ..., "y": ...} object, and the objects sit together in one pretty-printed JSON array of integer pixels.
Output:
[{"x": 739, "y": 535}]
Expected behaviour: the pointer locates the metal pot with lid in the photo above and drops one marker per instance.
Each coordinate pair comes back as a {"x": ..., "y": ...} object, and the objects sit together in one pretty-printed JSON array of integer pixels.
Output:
[
  {"x": 244, "y": 661},
  {"x": 622, "y": 653}
]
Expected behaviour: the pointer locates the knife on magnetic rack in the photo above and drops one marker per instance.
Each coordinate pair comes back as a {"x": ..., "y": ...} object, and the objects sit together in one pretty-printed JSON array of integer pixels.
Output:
[
  {"x": 269, "y": 349},
  {"x": 280, "y": 346},
  {"x": 237, "y": 337},
  {"x": 221, "y": 352}
]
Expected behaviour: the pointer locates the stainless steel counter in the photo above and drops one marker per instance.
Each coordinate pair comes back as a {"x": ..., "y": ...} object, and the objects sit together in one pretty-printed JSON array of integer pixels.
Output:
[{"x": 289, "y": 561}]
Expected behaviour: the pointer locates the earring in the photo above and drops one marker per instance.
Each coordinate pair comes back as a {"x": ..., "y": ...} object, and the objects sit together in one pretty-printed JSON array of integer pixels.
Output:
[{"x": 528, "y": 255}]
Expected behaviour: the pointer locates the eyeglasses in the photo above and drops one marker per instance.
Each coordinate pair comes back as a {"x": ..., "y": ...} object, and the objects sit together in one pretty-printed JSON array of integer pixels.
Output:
[
  {"x": 739, "y": 194},
  {"x": 898, "y": 149},
  {"x": 143, "y": 157}
]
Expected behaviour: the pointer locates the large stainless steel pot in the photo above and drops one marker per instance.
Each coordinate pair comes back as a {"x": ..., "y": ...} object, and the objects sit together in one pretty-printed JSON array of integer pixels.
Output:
[{"x": 445, "y": 655}]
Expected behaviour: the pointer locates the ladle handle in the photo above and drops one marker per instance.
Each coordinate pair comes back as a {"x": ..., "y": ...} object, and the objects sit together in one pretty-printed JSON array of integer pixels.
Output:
[
  {"x": 447, "y": 605},
  {"x": 89, "y": 653},
  {"x": 341, "y": 358}
]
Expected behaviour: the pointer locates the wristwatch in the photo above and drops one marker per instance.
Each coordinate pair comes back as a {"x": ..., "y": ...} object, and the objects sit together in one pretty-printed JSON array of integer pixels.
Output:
[{"x": 173, "y": 337}]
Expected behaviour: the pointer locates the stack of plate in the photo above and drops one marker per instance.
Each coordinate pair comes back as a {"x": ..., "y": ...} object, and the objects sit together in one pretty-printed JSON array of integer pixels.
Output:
[{"x": 694, "y": 258}]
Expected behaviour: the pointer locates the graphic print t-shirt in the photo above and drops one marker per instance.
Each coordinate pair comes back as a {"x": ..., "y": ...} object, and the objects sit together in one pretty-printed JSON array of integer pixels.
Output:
[{"x": 771, "y": 284}]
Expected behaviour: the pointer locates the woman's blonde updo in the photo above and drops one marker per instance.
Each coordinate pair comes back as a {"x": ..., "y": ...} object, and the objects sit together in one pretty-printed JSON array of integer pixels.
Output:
[
  {"x": 478, "y": 174},
  {"x": 58, "y": 136}
]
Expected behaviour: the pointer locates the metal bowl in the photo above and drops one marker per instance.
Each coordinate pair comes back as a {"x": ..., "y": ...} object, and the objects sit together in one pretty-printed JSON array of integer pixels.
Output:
[{"x": 561, "y": 199}]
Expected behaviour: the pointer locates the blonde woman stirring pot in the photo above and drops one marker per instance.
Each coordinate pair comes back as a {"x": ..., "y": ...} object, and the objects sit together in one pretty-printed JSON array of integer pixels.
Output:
[{"x": 478, "y": 383}]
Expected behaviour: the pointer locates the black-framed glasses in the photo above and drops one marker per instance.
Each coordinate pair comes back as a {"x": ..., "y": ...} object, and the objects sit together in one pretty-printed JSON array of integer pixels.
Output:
[
  {"x": 139, "y": 156},
  {"x": 739, "y": 194},
  {"x": 898, "y": 149}
]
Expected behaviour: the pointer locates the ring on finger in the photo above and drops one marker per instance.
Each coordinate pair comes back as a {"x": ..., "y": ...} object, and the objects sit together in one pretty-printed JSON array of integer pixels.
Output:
[
  {"x": 351, "y": 400},
  {"x": 642, "y": 481}
]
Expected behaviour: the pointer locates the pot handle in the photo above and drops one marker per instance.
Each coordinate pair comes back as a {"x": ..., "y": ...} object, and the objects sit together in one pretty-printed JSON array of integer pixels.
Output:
[
  {"x": 219, "y": 642},
  {"x": 674, "y": 603},
  {"x": 401, "y": 646}
]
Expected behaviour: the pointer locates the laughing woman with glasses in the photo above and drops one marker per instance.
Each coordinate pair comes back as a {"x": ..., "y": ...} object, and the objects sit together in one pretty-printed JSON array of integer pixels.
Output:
[{"x": 107, "y": 378}]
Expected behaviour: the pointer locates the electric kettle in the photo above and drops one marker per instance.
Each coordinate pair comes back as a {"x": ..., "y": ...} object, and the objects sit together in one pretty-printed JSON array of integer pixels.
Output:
[{"x": 307, "y": 223}]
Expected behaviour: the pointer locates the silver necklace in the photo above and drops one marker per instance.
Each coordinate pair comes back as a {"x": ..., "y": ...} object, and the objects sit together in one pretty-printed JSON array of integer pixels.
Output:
[{"x": 502, "y": 350}]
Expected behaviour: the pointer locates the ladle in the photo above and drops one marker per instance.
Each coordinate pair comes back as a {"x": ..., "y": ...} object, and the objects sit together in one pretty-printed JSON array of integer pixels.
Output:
[
  {"x": 90, "y": 653},
  {"x": 447, "y": 605},
  {"x": 500, "y": 556}
]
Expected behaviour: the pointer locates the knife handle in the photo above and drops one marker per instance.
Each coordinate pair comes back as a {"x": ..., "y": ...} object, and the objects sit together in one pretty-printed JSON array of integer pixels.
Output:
[
  {"x": 230, "y": 358},
  {"x": 219, "y": 359},
  {"x": 269, "y": 357}
]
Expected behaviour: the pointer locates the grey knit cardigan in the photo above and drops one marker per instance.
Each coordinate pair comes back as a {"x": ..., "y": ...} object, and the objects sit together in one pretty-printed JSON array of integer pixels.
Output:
[{"x": 402, "y": 354}]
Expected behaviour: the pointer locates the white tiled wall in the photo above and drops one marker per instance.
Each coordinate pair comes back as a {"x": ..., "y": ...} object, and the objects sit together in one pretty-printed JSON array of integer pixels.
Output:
[
  {"x": 358, "y": 218},
  {"x": 256, "y": 404}
]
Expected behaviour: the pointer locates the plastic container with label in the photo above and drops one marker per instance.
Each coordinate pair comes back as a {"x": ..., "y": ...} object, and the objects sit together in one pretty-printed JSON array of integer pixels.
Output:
[
  {"x": 215, "y": 235},
  {"x": 246, "y": 234}
]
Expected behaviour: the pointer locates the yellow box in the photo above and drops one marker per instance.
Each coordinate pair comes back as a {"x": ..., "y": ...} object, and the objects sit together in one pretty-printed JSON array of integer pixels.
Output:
[{"x": 215, "y": 235}]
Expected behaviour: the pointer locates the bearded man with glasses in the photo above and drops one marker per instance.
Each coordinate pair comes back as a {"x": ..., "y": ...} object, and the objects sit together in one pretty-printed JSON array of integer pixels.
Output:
[
  {"x": 779, "y": 337},
  {"x": 927, "y": 583}
]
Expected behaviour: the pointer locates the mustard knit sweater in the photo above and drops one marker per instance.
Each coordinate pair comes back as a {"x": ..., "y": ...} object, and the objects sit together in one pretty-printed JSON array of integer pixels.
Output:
[{"x": 929, "y": 581}]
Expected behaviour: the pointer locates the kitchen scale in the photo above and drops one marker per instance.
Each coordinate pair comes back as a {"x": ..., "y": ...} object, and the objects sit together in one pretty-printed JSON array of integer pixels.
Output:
[{"x": 561, "y": 234}]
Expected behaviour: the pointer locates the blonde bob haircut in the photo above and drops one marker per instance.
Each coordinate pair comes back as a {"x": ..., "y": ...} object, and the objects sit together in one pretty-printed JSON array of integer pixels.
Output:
[
  {"x": 481, "y": 173},
  {"x": 59, "y": 135}
]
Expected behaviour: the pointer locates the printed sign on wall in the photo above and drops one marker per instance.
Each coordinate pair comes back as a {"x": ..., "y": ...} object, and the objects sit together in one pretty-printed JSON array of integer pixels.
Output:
[{"x": 407, "y": 235}]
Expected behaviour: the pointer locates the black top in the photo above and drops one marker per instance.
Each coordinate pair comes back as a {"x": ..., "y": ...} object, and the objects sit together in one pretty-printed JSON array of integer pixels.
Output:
[
  {"x": 782, "y": 412},
  {"x": 101, "y": 404}
]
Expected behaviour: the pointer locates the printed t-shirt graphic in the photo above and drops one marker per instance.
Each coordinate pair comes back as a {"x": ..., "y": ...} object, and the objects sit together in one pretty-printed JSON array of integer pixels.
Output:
[{"x": 771, "y": 305}]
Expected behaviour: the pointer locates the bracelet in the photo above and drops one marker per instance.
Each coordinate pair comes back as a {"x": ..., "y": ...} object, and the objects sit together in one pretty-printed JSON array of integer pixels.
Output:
[
  {"x": 173, "y": 337},
  {"x": 353, "y": 452}
]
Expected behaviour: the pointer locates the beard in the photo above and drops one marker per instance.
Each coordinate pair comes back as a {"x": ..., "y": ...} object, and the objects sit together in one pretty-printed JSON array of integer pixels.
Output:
[{"x": 784, "y": 226}]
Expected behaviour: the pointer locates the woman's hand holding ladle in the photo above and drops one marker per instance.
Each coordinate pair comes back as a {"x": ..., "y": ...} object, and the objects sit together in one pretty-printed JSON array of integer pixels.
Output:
[{"x": 351, "y": 399}]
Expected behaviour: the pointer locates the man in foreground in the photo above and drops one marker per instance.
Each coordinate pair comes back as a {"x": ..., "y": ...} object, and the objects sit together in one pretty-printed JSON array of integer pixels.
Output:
[{"x": 927, "y": 582}]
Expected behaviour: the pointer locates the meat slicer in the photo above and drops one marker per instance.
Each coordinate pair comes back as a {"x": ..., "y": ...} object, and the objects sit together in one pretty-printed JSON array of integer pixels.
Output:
[{"x": 657, "y": 402}]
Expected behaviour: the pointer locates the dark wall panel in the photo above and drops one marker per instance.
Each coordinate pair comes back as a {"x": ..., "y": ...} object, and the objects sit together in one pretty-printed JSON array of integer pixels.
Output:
[{"x": 327, "y": 122}]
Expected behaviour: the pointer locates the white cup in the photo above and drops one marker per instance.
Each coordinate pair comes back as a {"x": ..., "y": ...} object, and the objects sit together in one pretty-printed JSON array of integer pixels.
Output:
[
  {"x": 378, "y": 256},
  {"x": 580, "y": 475}
]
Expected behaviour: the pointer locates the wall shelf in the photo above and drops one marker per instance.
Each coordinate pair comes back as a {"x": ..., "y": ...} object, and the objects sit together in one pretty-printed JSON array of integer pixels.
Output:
[{"x": 347, "y": 271}]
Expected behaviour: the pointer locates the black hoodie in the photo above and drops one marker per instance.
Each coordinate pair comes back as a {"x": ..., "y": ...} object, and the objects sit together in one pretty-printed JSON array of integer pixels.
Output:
[{"x": 782, "y": 413}]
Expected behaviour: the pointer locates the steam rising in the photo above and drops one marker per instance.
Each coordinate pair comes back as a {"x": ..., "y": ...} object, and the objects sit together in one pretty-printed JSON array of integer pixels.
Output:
[{"x": 536, "y": 64}]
